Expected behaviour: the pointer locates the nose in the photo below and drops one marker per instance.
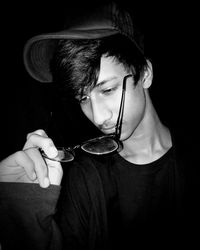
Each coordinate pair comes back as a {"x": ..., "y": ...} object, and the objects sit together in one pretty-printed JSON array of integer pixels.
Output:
[{"x": 101, "y": 113}]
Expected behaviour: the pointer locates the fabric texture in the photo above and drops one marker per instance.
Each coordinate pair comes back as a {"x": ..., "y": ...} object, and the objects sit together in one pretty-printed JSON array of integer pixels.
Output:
[
  {"x": 26, "y": 212},
  {"x": 105, "y": 203}
]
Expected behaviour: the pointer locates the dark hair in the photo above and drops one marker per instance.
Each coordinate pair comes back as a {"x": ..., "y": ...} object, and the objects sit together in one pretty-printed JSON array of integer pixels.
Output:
[{"x": 76, "y": 63}]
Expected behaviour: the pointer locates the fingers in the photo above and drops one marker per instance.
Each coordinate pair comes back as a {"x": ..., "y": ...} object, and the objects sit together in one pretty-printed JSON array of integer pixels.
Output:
[
  {"x": 40, "y": 139},
  {"x": 55, "y": 172},
  {"x": 29, "y": 166},
  {"x": 43, "y": 168},
  {"x": 40, "y": 167},
  {"x": 10, "y": 166},
  {"x": 38, "y": 132}
]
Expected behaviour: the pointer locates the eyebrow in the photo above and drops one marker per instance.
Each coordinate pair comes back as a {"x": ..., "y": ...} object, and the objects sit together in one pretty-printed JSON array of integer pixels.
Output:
[
  {"x": 99, "y": 84},
  {"x": 105, "y": 81}
]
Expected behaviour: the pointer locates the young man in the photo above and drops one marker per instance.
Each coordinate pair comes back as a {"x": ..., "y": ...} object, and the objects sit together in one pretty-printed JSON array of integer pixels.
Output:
[{"x": 131, "y": 196}]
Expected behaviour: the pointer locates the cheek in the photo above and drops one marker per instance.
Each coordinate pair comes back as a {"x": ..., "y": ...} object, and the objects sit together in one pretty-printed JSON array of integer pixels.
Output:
[
  {"x": 87, "y": 112},
  {"x": 133, "y": 113}
]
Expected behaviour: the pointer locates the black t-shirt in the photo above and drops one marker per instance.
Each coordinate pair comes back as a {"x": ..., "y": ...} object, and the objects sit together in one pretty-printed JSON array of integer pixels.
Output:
[
  {"x": 131, "y": 202},
  {"x": 106, "y": 200},
  {"x": 147, "y": 198}
]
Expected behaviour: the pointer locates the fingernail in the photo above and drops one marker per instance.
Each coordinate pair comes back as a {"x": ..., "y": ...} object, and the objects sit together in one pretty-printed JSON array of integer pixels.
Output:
[{"x": 46, "y": 182}]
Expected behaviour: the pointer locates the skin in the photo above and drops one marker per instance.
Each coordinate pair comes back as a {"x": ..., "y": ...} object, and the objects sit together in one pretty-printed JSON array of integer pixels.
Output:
[
  {"x": 101, "y": 105},
  {"x": 144, "y": 137},
  {"x": 28, "y": 166}
]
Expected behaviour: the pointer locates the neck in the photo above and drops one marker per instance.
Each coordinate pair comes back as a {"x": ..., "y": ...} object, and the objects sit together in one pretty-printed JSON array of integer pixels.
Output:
[{"x": 150, "y": 140}]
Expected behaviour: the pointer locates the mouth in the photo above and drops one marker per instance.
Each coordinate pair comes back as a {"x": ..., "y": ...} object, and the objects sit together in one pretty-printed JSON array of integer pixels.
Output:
[{"x": 108, "y": 130}]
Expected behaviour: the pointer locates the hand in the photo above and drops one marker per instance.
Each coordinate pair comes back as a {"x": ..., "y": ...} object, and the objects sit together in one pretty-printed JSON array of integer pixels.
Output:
[{"x": 28, "y": 166}]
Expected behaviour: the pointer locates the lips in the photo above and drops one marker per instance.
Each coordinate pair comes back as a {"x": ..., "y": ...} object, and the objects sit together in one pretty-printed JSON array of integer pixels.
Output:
[{"x": 108, "y": 130}]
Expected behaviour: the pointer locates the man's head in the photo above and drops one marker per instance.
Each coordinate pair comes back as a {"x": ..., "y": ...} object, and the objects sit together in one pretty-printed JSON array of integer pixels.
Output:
[
  {"x": 92, "y": 71},
  {"x": 89, "y": 62}
]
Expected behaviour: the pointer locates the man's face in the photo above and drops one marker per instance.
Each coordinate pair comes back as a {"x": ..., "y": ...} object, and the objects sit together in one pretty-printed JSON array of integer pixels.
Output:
[{"x": 101, "y": 105}]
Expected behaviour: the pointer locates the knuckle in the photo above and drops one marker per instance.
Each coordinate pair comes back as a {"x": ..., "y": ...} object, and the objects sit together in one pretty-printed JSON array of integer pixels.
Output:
[
  {"x": 31, "y": 152},
  {"x": 28, "y": 135},
  {"x": 19, "y": 154},
  {"x": 36, "y": 158},
  {"x": 22, "y": 157},
  {"x": 48, "y": 142},
  {"x": 40, "y": 132}
]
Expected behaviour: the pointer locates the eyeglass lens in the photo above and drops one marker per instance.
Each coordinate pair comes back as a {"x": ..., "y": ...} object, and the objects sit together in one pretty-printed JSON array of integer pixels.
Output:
[
  {"x": 100, "y": 145},
  {"x": 64, "y": 155}
]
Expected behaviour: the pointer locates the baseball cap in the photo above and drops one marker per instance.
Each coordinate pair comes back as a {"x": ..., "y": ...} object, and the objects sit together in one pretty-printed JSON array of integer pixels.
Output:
[{"x": 103, "y": 22}]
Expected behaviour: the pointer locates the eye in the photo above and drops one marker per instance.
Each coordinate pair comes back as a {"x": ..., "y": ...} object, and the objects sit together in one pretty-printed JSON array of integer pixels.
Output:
[
  {"x": 84, "y": 99},
  {"x": 108, "y": 91}
]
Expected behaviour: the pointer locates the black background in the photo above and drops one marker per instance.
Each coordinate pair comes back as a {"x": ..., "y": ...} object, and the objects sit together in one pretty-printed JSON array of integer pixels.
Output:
[{"x": 170, "y": 41}]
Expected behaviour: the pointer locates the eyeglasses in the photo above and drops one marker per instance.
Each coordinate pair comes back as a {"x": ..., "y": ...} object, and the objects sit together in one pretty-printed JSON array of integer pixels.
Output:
[{"x": 100, "y": 145}]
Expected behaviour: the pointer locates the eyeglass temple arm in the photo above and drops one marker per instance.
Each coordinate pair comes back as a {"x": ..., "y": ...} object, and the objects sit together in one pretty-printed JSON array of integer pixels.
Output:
[{"x": 121, "y": 109}]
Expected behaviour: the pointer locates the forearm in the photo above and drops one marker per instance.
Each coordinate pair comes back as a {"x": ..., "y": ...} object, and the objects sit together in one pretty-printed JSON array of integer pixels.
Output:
[{"x": 26, "y": 216}]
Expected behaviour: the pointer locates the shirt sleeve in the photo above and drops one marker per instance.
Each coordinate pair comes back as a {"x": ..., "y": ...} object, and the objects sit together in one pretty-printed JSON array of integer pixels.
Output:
[{"x": 27, "y": 217}]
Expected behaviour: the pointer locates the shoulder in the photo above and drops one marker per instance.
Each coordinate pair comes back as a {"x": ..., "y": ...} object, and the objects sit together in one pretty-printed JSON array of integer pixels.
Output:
[
  {"x": 186, "y": 152},
  {"x": 90, "y": 165},
  {"x": 183, "y": 143},
  {"x": 90, "y": 174},
  {"x": 83, "y": 170}
]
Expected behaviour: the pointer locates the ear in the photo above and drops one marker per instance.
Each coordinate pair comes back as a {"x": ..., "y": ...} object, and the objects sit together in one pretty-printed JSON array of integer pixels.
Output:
[{"x": 148, "y": 76}]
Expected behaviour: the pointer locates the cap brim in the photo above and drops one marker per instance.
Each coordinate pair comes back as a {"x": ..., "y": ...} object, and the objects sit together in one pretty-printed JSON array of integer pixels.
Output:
[{"x": 39, "y": 50}]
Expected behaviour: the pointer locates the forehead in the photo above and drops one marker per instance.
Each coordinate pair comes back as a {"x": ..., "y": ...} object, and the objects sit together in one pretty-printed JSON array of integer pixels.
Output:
[{"x": 109, "y": 68}]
